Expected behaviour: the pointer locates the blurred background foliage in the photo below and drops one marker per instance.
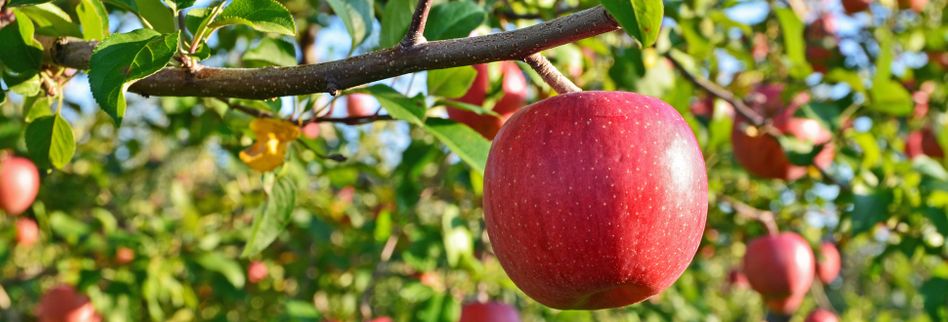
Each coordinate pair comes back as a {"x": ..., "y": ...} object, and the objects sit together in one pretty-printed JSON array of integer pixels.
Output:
[{"x": 168, "y": 185}]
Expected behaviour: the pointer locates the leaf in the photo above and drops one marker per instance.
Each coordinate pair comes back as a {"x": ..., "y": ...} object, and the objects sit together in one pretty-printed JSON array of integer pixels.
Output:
[
  {"x": 128, "y": 5},
  {"x": 94, "y": 19},
  {"x": 450, "y": 82},
  {"x": 480, "y": 110},
  {"x": 357, "y": 16},
  {"x": 462, "y": 140},
  {"x": 792, "y": 28},
  {"x": 50, "y": 141},
  {"x": 888, "y": 96},
  {"x": 157, "y": 14},
  {"x": 399, "y": 106},
  {"x": 262, "y": 15},
  {"x": 36, "y": 107},
  {"x": 271, "y": 52},
  {"x": 51, "y": 21},
  {"x": 799, "y": 152},
  {"x": 217, "y": 262},
  {"x": 21, "y": 54},
  {"x": 395, "y": 20},
  {"x": 271, "y": 221},
  {"x": 450, "y": 20},
  {"x": 641, "y": 19},
  {"x": 182, "y": 4},
  {"x": 870, "y": 207},
  {"x": 68, "y": 227},
  {"x": 123, "y": 58},
  {"x": 19, "y": 3}
]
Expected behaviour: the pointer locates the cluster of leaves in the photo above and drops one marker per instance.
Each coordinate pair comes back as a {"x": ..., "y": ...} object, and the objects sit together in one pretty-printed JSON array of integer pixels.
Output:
[{"x": 163, "y": 176}]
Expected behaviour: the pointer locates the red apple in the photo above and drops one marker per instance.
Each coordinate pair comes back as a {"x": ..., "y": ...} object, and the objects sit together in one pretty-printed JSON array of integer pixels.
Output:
[
  {"x": 19, "y": 184},
  {"x": 736, "y": 278},
  {"x": 780, "y": 267},
  {"x": 923, "y": 142},
  {"x": 124, "y": 255},
  {"x": 310, "y": 130},
  {"x": 915, "y": 5},
  {"x": 256, "y": 272},
  {"x": 359, "y": 105},
  {"x": 821, "y": 315},
  {"x": 703, "y": 107},
  {"x": 819, "y": 57},
  {"x": 381, "y": 319},
  {"x": 595, "y": 199},
  {"x": 63, "y": 304},
  {"x": 488, "y": 312},
  {"x": 828, "y": 263},
  {"x": 27, "y": 232},
  {"x": 854, "y": 6},
  {"x": 514, "y": 86}
]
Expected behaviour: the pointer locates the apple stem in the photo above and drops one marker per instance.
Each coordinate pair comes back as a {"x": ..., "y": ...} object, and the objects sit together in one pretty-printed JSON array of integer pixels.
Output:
[
  {"x": 765, "y": 217},
  {"x": 714, "y": 89},
  {"x": 416, "y": 30},
  {"x": 551, "y": 75}
]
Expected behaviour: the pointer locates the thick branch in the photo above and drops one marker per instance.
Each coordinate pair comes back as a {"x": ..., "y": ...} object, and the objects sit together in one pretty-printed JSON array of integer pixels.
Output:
[
  {"x": 551, "y": 75},
  {"x": 416, "y": 30},
  {"x": 722, "y": 93},
  {"x": 263, "y": 83}
]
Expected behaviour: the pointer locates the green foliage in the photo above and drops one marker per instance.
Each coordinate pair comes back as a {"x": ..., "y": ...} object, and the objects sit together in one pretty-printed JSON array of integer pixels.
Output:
[
  {"x": 453, "y": 20},
  {"x": 50, "y": 141},
  {"x": 357, "y": 16},
  {"x": 271, "y": 221},
  {"x": 450, "y": 82},
  {"x": 641, "y": 19},
  {"x": 262, "y": 15}
]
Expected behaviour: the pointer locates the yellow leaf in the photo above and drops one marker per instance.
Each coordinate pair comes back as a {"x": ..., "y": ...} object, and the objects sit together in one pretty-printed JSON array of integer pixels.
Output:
[{"x": 269, "y": 150}]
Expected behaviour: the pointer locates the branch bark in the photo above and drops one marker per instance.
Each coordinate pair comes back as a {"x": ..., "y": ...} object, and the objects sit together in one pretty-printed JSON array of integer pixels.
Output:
[
  {"x": 263, "y": 83},
  {"x": 714, "y": 89},
  {"x": 551, "y": 75},
  {"x": 763, "y": 216}
]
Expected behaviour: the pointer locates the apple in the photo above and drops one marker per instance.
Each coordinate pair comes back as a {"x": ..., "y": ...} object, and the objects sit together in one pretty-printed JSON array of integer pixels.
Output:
[
  {"x": 780, "y": 267},
  {"x": 821, "y": 315},
  {"x": 381, "y": 319},
  {"x": 761, "y": 154},
  {"x": 63, "y": 304},
  {"x": 595, "y": 199},
  {"x": 514, "y": 86},
  {"x": 736, "y": 278},
  {"x": 488, "y": 312},
  {"x": 310, "y": 130},
  {"x": 359, "y": 105},
  {"x": 915, "y": 5},
  {"x": 828, "y": 263},
  {"x": 27, "y": 232},
  {"x": 19, "y": 184},
  {"x": 256, "y": 272},
  {"x": 703, "y": 107},
  {"x": 819, "y": 57},
  {"x": 124, "y": 255},
  {"x": 923, "y": 142},
  {"x": 854, "y": 6}
]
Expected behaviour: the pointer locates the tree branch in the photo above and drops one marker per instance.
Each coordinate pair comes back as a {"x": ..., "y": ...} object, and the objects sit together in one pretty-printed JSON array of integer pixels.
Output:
[
  {"x": 763, "y": 216},
  {"x": 551, "y": 75},
  {"x": 269, "y": 82},
  {"x": 416, "y": 30},
  {"x": 722, "y": 93}
]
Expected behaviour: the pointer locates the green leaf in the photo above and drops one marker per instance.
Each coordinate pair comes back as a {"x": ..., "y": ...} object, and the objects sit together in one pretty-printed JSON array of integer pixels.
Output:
[
  {"x": 395, "y": 20},
  {"x": 470, "y": 146},
  {"x": 36, "y": 107},
  {"x": 641, "y": 19},
  {"x": 50, "y": 141},
  {"x": 271, "y": 52},
  {"x": 458, "y": 242},
  {"x": 182, "y": 4},
  {"x": 217, "y": 262},
  {"x": 450, "y": 20},
  {"x": 18, "y": 3},
  {"x": 123, "y": 58},
  {"x": 262, "y": 15},
  {"x": 51, "y": 21},
  {"x": 888, "y": 96},
  {"x": 450, "y": 82},
  {"x": 870, "y": 207},
  {"x": 20, "y": 54},
  {"x": 383, "y": 225},
  {"x": 480, "y": 110},
  {"x": 357, "y": 15},
  {"x": 69, "y": 228},
  {"x": 270, "y": 222},
  {"x": 94, "y": 19},
  {"x": 128, "y": 5},
  {"x": 157, "y": 14},
  {"x": 399, "y": 106},
  {"x": 792, "y": 28},
  {"x": 799, "y": 152}
]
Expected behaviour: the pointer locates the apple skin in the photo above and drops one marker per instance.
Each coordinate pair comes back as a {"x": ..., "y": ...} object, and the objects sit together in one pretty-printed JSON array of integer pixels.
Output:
[
  {"x": 923, "y": 142},
  {"x": 310, "y": 130},
  {"x": 828, "y": 263},
  {"x": 854, "y": 6},
  {"x": 256, "y": 272},
  {"x": 124, "y": 255},
  {"x": 359, "y": 105},
  {"x": 915, "y": 5},
  {"x": 489, "y": 312},
  {"x": 595, "y": 199},
  {"x": 27, "y": 232},
  {"x": 63, "y": 304},
  {"x": 781, "y": 268},
  {"x": 761, "y": 155},
  {"x": 821, "y": 315},
  {"x": 19, "y": 184},
  {"x": 381, "y": 319},
  {"x": 514, "y": 85},
  {"x": 736, "y": 279}
]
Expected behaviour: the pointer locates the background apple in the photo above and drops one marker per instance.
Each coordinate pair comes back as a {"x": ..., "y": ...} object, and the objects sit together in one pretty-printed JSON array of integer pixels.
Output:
[
  {"x": 310, "y": 130},
  {"x": 828, "y": 263},
  {"x": 923, "y": 142},
  {"x": 488, "y": 312},
  {"x": 514, "y": 87},
  {"x": 19, "y": 184},
  {"x": 359, "y": 105},
  {"x": 854, "y": 6},
  {"x": 124, "y": 255},
  {"x": 821, "y": 315},
  {"x": 63, "y": 304},
  {"x": 595, "y": 199},
  {"x": 736, "y": 278},
  {"x": 381, "y": 319},
  {"x": 256, "y": 272},
  {"x": 915, "y": 5},
  {"x": 27, "y": 232},
  {"x": 781, "y": 268}
]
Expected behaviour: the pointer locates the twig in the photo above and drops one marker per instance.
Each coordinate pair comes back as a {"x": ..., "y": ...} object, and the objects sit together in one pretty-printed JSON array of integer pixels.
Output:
[
  {"x": 416, "y": 30},
  {"x": 352, "y": 120},
  {"x": 246, "y": 109},
  {"x": 746, "y": 211},
  {"x": 551, "y": 75},
  {"x": 716, "y": 90},
  {"x": 365, "y": 301}
]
